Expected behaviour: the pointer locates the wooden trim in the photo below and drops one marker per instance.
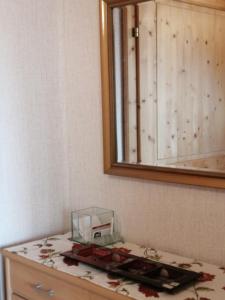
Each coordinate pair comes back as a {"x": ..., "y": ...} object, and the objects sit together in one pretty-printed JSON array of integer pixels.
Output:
[
  {"x": 8, "y": 279},
  {"x": 147, "y": 173},
  {"x": 125, "y": 83},
  {"x": 182, "y": 176},
  {"x": 111, "y": 72},
  {"x": 105, "y": 86},
  {"x": 138, "y": 101},
  {"x": 17, "y": 297},
  {"x": 82, "y": 283},
  {"x": 215, "y": 4},
  {"x": 113, "y": 3}
]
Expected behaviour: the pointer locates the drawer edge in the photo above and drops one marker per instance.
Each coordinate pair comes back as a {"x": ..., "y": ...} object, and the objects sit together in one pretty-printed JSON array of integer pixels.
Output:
[{"x": 70, "y": 279}]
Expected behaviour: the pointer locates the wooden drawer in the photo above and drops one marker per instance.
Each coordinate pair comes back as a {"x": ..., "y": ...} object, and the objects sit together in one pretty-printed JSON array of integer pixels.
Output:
[
  {"x": 36, "y": 285},
  {"x": 97, "y": 297},
  {"x": 16, "y": 297}
]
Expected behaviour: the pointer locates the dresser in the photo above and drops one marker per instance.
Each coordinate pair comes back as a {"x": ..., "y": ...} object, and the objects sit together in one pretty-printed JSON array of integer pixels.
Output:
[{"x": 36, "y": 271}]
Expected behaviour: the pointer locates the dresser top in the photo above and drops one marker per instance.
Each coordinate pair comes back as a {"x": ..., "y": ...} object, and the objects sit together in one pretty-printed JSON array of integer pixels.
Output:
[{"x": 211, "y": 285}]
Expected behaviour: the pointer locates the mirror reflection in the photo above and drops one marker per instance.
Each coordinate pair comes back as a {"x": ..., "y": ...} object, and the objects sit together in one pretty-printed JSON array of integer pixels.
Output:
[{"x": 169, "y": 79}]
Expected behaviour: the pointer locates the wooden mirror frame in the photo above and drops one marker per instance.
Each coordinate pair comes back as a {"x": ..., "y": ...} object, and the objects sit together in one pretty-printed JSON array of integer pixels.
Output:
[{"x": 166, "y": 174}]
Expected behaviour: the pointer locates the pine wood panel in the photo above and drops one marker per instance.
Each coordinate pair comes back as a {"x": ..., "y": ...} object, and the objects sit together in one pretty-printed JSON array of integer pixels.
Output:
[
  {"x": 191, "y": 93},
  {"x": 132, "y": 121},
  {"x": 214, "y": 163},
  {"x": 147, "y": 70},
  {"x": 148, "y": 91},
  {"x": 216, "y": 4}
]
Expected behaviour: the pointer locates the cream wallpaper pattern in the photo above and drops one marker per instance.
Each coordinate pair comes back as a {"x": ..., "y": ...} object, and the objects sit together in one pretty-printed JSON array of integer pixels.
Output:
[
  {"x": 51, "y": 140},
  {"x": 186, "y": 220}
]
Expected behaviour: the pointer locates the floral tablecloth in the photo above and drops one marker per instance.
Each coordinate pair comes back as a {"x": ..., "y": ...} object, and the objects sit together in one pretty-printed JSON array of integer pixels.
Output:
[{"x": 211, "y": 285}]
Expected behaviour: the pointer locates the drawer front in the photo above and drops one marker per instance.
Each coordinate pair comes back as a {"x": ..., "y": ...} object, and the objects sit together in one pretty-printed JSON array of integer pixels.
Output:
[
  {"x": 16, "y": 297},
  {"x": 36, "y": 285},
  {"x": 97, "y": 297}
]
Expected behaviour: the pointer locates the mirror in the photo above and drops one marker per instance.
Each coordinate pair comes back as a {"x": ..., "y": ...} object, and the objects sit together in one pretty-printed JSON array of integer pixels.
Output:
[{"x": 166, "y": 89}]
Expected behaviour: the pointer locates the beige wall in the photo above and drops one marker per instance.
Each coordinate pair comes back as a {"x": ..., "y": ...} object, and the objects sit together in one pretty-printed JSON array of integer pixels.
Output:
[
  {"x": 51, "y": 140},
  {"x": 186, "y": 220}
]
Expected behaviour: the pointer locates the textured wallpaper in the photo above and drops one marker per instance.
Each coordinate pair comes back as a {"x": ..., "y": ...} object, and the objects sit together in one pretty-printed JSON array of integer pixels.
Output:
[
  {"x": 182, "y": 219},
  {"x": 33, "y": 161},
  {"x": 51, "y": 140}
]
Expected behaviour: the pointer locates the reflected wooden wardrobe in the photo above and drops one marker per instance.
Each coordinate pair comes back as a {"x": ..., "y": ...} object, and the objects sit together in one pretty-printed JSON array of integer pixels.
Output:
[{"x": 163, "y": 70}]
